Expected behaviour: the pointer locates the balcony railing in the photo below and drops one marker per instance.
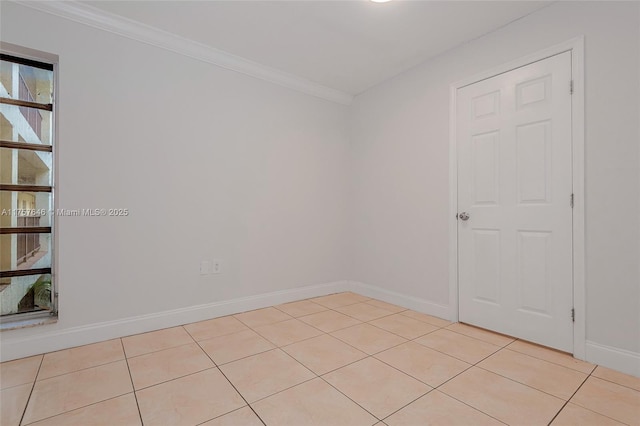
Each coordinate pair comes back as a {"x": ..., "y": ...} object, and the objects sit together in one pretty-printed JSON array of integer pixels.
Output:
[
  {"x": 32, "y": 115},
  {"x": 28, "y": 244}
]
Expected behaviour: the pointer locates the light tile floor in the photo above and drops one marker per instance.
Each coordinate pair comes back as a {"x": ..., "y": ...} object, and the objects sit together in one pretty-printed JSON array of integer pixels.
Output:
[{"x": 334, "y": 360}]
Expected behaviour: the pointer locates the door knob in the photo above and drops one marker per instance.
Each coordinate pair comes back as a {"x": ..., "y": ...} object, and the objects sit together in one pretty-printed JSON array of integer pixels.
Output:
[{"x": 464, "y": 216}]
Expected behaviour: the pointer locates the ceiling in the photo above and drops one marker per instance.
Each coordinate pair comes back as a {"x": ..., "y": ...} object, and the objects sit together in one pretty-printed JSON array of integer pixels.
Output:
[{"x": 345, "y": 45}]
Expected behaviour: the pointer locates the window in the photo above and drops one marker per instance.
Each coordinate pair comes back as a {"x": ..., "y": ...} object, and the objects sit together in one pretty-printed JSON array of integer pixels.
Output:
[{"x": 27, "y": 287}]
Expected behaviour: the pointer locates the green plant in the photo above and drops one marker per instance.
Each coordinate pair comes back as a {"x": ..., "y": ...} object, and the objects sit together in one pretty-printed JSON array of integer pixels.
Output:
[{"x": 42, "y": 292}]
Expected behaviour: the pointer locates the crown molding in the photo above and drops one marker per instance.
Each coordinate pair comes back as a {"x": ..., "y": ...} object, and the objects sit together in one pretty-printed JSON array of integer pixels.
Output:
[{"x": 94, "y": 17}]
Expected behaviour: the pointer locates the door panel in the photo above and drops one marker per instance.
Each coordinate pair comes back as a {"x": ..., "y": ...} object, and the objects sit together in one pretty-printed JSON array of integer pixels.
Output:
[
  {"x": 533, "y": 272},
  {"x": 533, "y": 157},
  {"x": 486, "y": 256},
  {"x": 515, "y": 182},
  {"x": 485, "y": 168}
]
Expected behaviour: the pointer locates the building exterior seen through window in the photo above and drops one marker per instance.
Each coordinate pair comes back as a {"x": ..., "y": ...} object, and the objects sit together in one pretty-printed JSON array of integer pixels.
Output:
[{"x": 26, "y": 188}]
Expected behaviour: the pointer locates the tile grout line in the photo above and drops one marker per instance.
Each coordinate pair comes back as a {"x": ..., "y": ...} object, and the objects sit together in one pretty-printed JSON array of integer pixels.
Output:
[
  {"x": 614, "y": 383},
  {"x": 368, "y": 354},
  {"x": 342, "y": 313},
  {"x": 361, "y": 320},
  {"x": 76, "y": 409},
  {"x": 175, "y": 378},
  {"x": 241, "y": 396},
  {"x": 316, "y": 376},
  {"x": 337, "y": 329},
  {"x": 287, "y": 344},
  {"x": 479, "y": 339},
  {"x": 432, "y": 390},
  {"x": 344, "y": 328},
  {"x": 586, "y": 408},
  {"x": 324, "y": 308},
  {"x": 143, "y": 333},
  {"x": 524, "y": 384},
  {"x": 295, "y": 360},
  {"x": 539, "y": 359},
  {"x": 285, "y": 389},
  {"x": 183, "y": 326},
  {"x": 158, "y": 350},
  {"x": 594, "y": 412},
  {"x": 452, "y": 356},
  {"x": 33, "y": 386},
  {"x": 471, "y": 365},
  {"x": 229, "y": 381},
  {"x": 547, "y": 361},
  {"x": 327, "y": 334},
  {"x": 133, "y": 387},
  {"x": 408, "y": 339},
  {"x": 462, "y": 372},
  {"x": 439, "y": 327},
  {"x": 260, "y": 325},
  {"x": 339, "y": 306},
  {"x": 515, "y": 381},
  {"x": 80, "y": 369},
  {"x": 217, "y": 366},
  {"x": 232, "y": 411},
  {"x": 349, "y": 398},
  {"x": 368, "y": 323},
  {"x": 413, "y": 377},
  {"x": 390, "y": 347},
  {"x": 343, "y": 366},
  {"x": 244, "y": 357},
  {"x": 438, "y": 318},
  {"x": 214, "y": 337},
  {"x": 567, "y": 401},
  {"x": 350, "y": 363},
  {"x": 329, "y": 310},
  {"x": 552, "y": 362},
  {"x": 314, "y": 337}
]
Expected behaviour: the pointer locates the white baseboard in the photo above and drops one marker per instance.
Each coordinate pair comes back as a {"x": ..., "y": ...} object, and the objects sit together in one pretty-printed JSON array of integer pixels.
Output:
[
  {"x": 617, "y": 359},
  {"x": 409, "y": 302},
  {"x": 14, "y": 345}
]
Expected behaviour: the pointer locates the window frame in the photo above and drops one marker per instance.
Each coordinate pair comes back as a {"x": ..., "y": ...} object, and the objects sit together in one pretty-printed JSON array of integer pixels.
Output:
[{"x": 34, "y": 58}]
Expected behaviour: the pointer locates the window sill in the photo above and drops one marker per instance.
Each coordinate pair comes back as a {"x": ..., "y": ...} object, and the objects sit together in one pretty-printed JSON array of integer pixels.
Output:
[{"x": 27, "y": 323}]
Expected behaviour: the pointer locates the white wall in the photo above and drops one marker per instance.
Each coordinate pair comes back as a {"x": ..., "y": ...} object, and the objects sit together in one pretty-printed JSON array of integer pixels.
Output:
[
  {"x": 400, "y": 163},
  {"x": 215, "y": 164},
  {"x": 210, "y": 163}
]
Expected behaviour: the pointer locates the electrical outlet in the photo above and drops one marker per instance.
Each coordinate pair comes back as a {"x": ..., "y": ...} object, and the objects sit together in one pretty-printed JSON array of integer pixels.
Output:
[
  {"x": 216, "y": 266},
  {"x": 206, "y": 267}
]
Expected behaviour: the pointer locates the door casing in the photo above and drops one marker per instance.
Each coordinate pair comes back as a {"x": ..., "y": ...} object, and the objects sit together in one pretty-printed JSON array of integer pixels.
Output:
[{"x": 576, "y": 47}]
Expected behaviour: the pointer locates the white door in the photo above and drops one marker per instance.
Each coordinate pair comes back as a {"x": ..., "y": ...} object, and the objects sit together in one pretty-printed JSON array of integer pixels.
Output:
[{"x": 515, "y": 185}]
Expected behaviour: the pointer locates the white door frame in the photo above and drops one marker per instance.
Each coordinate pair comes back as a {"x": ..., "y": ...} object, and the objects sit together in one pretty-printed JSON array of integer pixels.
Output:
[{"x": 576, "y": 47}]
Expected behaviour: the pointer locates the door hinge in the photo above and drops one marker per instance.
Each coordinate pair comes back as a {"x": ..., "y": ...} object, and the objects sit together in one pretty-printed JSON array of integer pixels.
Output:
[
  {"x": 571, "y": 87},
  {"x": 573, "y": 314},
  {"x": 571, "y": 201}
]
